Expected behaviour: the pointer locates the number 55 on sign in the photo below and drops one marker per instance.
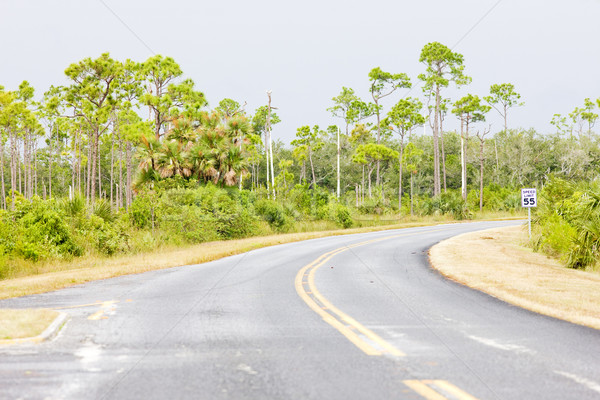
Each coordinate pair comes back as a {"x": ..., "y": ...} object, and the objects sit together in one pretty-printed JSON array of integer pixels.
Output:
[{"x": 528, "y": 198}]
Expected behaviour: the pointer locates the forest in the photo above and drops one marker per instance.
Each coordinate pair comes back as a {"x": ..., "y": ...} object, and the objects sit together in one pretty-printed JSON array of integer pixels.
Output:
[{"x": 129, "y": 155}]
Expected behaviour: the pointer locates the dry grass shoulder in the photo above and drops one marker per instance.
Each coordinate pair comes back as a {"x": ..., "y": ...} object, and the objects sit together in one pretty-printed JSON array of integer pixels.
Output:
[
  {"x": 497, "y": 262},
  {"x": 18, "y": 324}
]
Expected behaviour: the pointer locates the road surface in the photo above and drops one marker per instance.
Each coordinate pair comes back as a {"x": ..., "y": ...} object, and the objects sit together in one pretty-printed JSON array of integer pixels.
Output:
[{"x": 348, "y": 317}]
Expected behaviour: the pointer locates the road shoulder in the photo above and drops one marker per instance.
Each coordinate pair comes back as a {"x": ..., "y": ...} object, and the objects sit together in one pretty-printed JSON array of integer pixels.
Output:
[{"x": 496, "y": 262}]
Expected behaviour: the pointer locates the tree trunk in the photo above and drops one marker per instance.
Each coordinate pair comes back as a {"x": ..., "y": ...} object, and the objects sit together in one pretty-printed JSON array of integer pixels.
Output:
[
  {"x": 400, "y": 176},
  {"x": 35, "y": 167},
  {"x": 312, "y": 169},
  {"x": 411, "y": 194},
  {"x": 481, "y": 176},
  {"x": 13, "y": 168},
  {"x": 93, "y": 156},
  {"x": 378, "y": 142},
  {"x": 129, "y": 194},
  {"x": 88, "y": 181},
  {"x": 497, "y": 162},
  {"x": 338, "y": 163},
  {"x": 2, "y": 189},
  {"x": 436, "y": 148},
  {"x": 112, "y": 168},
  {"x": 443, "y": 151},
  {"x": 463, "y": 164}
]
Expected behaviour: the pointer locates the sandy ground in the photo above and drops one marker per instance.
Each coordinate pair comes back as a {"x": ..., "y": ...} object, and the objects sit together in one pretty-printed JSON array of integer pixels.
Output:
[{"x": 497, "y": 262}]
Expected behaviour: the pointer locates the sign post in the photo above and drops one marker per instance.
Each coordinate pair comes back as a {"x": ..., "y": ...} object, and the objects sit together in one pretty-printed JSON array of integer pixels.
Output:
[{"x": 529, "y": 200}]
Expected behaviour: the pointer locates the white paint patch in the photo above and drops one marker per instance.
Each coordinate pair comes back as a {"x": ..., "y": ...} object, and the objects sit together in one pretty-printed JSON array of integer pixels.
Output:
[
  {"x": 247, "y": 369},
  {"x": 89, "y": 354},
  {"x": 582, "y": 381},
  {"x": 500, "y": 346}
]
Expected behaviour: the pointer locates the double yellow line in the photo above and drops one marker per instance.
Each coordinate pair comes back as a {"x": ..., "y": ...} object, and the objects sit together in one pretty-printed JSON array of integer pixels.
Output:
[{"x": 362, "y": 337}]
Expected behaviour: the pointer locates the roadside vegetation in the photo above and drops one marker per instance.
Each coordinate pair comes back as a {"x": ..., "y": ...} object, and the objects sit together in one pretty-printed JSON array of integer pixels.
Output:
[
  {"x": 567, "y": 222},
  {"x": 128, "y": 158}
]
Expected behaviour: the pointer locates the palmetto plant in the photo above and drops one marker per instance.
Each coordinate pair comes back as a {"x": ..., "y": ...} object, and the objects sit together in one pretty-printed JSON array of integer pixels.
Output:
[{"x": 208, "y": 150}]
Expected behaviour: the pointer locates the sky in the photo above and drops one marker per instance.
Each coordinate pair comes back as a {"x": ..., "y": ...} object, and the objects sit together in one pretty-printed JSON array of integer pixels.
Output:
[{"x": 306, "y": 51}]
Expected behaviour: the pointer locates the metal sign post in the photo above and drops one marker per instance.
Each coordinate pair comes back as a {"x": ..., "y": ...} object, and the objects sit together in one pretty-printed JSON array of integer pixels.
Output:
[{"x": 529, "y": 200}]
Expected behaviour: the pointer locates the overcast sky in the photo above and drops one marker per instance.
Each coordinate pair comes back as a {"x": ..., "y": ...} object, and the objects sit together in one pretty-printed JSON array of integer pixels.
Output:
[{"x": 305, "y": 51}]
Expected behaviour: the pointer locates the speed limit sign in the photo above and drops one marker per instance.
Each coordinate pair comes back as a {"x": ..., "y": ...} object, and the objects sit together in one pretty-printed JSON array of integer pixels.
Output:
[{"x": 528, "y": 198}]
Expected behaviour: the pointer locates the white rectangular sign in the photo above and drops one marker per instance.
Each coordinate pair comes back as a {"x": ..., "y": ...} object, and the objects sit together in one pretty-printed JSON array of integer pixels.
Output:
[{"x": 528, "y": 198}]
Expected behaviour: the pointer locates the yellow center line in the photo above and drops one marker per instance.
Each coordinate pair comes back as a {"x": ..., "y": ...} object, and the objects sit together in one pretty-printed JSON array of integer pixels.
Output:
[
  {"x": 426, "y": 389},
  {"x": 346, "y": 325}
]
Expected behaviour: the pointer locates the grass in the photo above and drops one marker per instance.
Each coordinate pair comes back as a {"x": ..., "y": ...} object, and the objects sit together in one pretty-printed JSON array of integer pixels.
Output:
[
  {"x": 498, "y": 262},
  {"x": 18, "y": 324}
]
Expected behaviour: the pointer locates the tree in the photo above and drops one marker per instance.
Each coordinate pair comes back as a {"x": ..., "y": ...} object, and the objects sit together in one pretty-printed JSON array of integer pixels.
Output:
[
  {"x": 412, "y": 159},
  {"x": 382, "y": 85},
  {"x": 370, "y": 155},
  {"x": 165, "y": 98},
  {"x": 307, "y": 142},
  {"x": 351, "y": 109},
  {"x": 229, "y": 108},
  {"x": 264, "y": 117},
  {"x": 443, "y": 67},
  {"x": 481, "y": 137},
  {"x": 469, "y": 109},
  {"x": 502, "y": 97},
  {"x": 588, "y": 114},
  {"x": 402, "y": 118}
]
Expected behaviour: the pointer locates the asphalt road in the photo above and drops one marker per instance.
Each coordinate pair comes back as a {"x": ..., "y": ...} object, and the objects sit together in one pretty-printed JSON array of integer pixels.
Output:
[{"x": 347, "y": 317}]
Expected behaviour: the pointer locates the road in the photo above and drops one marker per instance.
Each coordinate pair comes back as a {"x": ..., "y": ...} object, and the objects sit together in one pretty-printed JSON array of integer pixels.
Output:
[{"x": 348, "y": 317}]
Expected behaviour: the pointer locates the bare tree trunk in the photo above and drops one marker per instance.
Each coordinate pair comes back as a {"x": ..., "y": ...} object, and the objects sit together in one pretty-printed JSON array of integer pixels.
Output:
[
  {"x": 497, "y": 162},
  {"x": 481, "y": 176},
  {"x": 400, "y": 176},
  {"x": 35, "y": 167},
  {"x": 13, "y": 168},
  {"x": 112, "y": 167},
  {"x": 378, "y": 142},
  {"x": 443, "y": 151},
  {"x": 312, "y": 169},
  {"x": 436, "y": 147},
  {"x": 463, "y": 164},
  {"x": 99, "y": 165},
  {"x": 120, "y": 191},
  {"x": 93, "y": 156},
  {"x": 129, "y": 194},
  {"x": 411, "y": 194},
  {"x": 338, "y": 163},
  {"x": 88, "y": 182},
  {"x": 50, "y": 159},
  {"x": 2, "y": 189}
]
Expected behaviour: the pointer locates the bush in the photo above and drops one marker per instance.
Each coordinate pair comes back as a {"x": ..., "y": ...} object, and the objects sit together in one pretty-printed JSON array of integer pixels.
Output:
[
  {"x": 45, "y": 232},
  {"x": 341, "y": 215},
  {"x": 448, "y": 203},
  {"x": 274, "y": 214}
]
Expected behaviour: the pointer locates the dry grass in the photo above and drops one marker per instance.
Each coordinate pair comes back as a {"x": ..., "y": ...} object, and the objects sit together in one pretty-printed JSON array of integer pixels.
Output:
[
  {"x": 17, "y": 324},
  {"x": 61, "y": 275},
  {"x": 497, "y": 262}
]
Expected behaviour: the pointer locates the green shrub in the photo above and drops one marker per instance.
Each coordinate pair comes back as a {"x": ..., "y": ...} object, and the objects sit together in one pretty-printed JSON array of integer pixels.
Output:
[
  {"x": 448, "y": 203},
  {"x": 141, "y": 211},
  {"x": 341, "y": 215},
  {"x": 274, "y": 214}
]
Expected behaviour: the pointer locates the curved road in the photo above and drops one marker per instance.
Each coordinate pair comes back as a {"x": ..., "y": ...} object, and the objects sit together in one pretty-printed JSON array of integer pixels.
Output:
[{"x": 347, "y": 317}]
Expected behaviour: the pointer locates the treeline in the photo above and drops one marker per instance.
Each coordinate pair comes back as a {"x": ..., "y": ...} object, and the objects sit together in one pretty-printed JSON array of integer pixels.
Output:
[{"x": 122, "y": 133}]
